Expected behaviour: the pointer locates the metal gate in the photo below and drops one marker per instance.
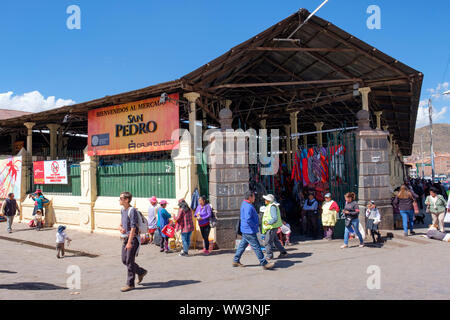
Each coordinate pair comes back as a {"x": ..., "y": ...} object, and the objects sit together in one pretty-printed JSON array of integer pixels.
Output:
[
  {"x": 342, "y": 170},
  {"x": 143, "y": 174}
]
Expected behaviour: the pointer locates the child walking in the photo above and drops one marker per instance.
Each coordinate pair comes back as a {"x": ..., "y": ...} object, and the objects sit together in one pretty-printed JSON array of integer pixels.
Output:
[
  {"x": 373, "y": 219},
  {"x": 163, "y": 220},
  {"x": 61, "y": 238}
]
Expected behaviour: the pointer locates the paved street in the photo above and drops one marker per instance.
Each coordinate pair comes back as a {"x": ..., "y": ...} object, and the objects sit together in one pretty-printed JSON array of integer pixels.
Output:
[{"x": 411, "y": 268}]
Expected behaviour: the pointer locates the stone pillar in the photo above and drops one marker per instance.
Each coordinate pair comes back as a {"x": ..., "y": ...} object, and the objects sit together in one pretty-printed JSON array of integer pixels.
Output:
[
  {"x": 53, "y": 140},
  {"x": 305, "y": 141},
  {"x": 88, "y": 192},
  {"x": 319, "y": 126},
  {"x": 373, "y": 166},
  {"x": 365, "y": 97},
  {"x": 378, "y": 115},
  {"x": 228, "y": 180},
  {"x": 294, "y": 130},
  {"x": 288, "y": 147},
  {"x": 30, "y": 126}
]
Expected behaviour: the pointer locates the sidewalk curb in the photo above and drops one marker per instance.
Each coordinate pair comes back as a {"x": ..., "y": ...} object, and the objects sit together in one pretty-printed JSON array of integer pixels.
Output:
[{"x": 46, "y": 246}]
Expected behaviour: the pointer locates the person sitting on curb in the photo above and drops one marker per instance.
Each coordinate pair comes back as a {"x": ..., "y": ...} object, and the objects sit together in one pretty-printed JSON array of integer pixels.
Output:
[
  {"x": 270, "y": 223},
  {"x": 434, "y": 233},
  {"x": 38, "y": 220},
  {"x": 249, "y": 228}
]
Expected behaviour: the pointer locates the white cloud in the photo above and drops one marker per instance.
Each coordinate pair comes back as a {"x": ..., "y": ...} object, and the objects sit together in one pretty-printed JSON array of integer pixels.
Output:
[
  {"x": 437, "y": 92},
  {"x": 423, "y": 118},
  {"x": 32, "y": 101}
]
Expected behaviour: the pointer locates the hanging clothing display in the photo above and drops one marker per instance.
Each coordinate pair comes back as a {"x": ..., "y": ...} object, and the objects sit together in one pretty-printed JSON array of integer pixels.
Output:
[{"x": 317, "y": 164}]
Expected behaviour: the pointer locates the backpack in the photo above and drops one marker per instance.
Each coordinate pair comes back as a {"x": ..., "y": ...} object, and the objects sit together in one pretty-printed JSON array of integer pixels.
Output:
[
  {"x": 213, "y": 219},
  {"x": 142, "y": 221}
]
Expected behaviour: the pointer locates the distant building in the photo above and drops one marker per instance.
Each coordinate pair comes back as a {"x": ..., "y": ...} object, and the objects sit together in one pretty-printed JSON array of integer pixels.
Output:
[{"x": 441, "y": 165}]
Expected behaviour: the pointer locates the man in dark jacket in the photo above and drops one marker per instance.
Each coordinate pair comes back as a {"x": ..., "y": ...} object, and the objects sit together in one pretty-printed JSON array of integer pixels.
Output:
[
  {"x": 249, "y": 227},
  {"x": 9, "y": 208}
]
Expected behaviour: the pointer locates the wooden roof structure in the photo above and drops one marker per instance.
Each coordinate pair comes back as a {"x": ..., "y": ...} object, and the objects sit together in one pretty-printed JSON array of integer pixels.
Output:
[{"x": 267, "y": 79}]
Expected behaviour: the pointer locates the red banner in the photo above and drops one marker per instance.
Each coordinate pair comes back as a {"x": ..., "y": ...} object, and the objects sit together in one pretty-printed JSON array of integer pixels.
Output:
[{"x": 39, "y": 172}]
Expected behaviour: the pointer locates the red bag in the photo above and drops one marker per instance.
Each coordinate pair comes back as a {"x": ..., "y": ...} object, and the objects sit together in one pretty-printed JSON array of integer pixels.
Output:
[
  {"x": 169, "y": 231},
  {"x": 416, "y": 207},
  {"x": 31, "y": 224}
]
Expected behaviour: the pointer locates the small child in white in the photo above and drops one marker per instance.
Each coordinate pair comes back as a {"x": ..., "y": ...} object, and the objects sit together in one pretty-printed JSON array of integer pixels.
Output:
[
  {"x": 284, "y": 234},
  {"x": 61, "y": 238},
  {"x": 373, "y": 219}
]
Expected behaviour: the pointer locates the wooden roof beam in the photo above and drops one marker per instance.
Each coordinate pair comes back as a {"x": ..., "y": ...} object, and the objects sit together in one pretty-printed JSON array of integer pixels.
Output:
[
  {"x": 336, "y": 37},
  {"x": 302, "y": 49},
  {"x": 288, "y": 83}
]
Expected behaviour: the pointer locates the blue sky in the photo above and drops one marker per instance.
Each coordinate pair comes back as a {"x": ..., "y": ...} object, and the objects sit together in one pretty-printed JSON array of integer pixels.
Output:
[{"x": 127, "y": 45}]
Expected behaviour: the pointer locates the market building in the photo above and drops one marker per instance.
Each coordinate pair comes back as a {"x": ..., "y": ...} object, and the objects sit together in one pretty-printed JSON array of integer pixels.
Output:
[{"x": 345, "y": 114}]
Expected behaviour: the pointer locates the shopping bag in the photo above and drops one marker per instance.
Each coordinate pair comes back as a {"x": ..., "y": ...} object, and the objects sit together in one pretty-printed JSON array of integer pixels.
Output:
[
  {"x": 416, "y": 207},
  {"x": 168, "y": 230},
  {"x": 31, "y": 224}
]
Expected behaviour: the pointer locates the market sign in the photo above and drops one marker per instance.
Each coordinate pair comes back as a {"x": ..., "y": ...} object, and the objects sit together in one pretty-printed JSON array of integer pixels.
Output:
[
  {"x": 50, "y": 172},
  {"x": 140, "y": 126}
]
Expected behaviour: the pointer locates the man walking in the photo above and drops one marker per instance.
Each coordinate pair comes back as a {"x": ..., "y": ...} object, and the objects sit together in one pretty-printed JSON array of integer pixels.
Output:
[
  {"x": 9, "y": 208},
  {"x": 130, "y": 234},
  {"x": 249, "y": 227},
  {"x": 271, "y": 221}
]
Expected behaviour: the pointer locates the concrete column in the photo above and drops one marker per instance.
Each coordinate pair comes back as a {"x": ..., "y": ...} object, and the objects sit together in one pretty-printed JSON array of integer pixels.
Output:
[
  {"x": 196, "y": 140},
  {"x": 373, "y": 163},
  {"x": 378, "y": 115},
  {"x": 88, "y": 192},
  {"x": 192, "y": 97},
  {"x": 294, "y": 130},
  {"x": 319, "y": 126},
  {"x": 184, "y": 163},
  {"x": 288, "y": 147},
  {"x": 365, "y": 97},
  {"x": 30, "y": 126},
  {"x": 53, "y": 140}
]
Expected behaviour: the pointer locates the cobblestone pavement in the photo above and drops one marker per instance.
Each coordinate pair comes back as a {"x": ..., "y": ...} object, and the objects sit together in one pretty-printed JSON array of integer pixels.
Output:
[{"x": 410, "y": 268}]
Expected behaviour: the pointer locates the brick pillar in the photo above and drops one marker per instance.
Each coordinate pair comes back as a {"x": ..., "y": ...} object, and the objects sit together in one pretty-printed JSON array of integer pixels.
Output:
[
  {"x": 228, "y": 180},
  {"x": 372, "y": 149}
]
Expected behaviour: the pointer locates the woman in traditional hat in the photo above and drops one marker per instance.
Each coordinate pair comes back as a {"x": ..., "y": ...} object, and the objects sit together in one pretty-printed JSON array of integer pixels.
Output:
[{"x": 329, "y": 216}]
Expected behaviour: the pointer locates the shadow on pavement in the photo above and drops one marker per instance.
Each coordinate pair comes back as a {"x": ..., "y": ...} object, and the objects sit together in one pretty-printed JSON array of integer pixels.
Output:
[
  {"x": 168, "y": 284},
  {"x": 31, "y": 286},
  {"x": 7, "y": 271}
]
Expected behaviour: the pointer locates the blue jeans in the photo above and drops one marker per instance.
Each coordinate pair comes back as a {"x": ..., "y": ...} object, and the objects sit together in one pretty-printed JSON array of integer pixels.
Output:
[
  {"x": 251, "y": 239},
  {"x": 355, "y": 225},
  {"x": 186, "y": 239},
  {"x": 407, "y": 219},
  {"x": 9, "y": 222}
]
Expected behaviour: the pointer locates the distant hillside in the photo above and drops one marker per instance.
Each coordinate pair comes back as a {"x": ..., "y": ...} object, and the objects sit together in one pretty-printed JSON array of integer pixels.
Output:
[{"x": 441, "y": 139}]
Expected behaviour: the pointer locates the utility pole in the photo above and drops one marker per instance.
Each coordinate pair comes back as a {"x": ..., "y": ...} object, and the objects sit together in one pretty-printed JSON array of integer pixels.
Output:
[
  {"x": 421, "y": 156},
  {"x": 430, "y": 112}
]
